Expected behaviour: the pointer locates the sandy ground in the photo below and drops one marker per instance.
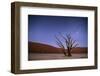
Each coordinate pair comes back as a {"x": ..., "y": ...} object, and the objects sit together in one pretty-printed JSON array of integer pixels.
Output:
[{"x": 46, "y": 56}]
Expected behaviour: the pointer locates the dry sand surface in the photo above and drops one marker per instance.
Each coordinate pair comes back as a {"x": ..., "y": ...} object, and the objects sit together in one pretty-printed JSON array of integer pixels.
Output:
[{"x": 47, "y": 56}]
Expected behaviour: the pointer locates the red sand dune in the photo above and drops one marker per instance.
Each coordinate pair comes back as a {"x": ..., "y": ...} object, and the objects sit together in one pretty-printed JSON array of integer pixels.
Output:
[{"x": 44, "y": 48}]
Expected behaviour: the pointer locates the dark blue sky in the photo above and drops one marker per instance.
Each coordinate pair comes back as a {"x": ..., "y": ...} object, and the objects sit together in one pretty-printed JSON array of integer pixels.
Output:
[{"x": 42, "y": 29}]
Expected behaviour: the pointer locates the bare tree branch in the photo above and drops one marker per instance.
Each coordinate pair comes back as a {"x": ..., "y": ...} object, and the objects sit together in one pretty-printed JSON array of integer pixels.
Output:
[
  {"x": 59, "y": 42},
  {"x": 75, "y": 45},
  {"x": 62, "y": 36}
]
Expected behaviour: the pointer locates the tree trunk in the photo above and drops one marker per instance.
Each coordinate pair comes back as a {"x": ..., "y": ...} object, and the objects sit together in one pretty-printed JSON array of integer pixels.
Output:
[
  {"x": 64, "y": 53},
  {"x": 69, "y": 52}
]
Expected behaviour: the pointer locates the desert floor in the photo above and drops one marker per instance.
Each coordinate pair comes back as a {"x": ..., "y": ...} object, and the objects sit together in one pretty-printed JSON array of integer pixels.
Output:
[{"x": 38, "y": 56}]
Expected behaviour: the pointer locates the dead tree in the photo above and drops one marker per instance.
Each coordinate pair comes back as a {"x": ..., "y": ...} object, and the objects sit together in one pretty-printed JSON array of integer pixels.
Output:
[{"x": 70, "y": 43}]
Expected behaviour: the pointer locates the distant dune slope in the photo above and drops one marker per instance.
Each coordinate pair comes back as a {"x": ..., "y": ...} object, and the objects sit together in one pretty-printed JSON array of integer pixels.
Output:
[{"x": 34, "y": 47}]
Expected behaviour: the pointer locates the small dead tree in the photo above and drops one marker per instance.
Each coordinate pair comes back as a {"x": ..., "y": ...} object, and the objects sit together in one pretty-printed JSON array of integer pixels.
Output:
[{"x": 70, "y": 43}]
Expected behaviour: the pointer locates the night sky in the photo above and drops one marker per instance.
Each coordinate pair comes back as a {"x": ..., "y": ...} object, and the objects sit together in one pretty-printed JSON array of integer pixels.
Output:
[{"x": 42, "y": 29}]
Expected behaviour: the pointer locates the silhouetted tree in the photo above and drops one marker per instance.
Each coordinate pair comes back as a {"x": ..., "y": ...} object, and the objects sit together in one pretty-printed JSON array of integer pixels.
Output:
[{"x": 69, "y": 41}]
